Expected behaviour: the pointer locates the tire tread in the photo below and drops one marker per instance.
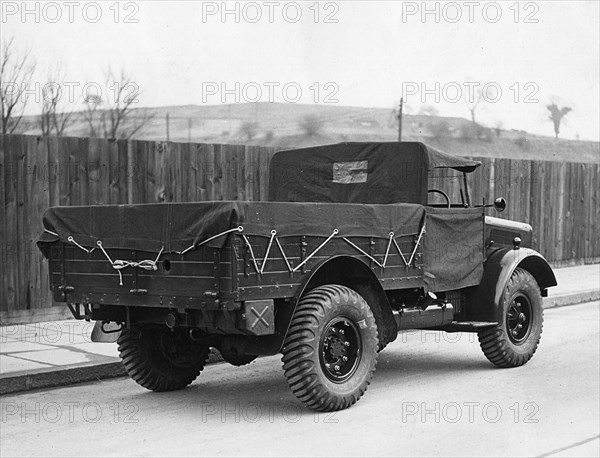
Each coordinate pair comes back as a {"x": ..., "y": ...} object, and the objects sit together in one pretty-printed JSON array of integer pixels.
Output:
[
  {"x": 495, "y": 343},
  {"x": 146, "y": 373},
  {"x": 301, "y": 344}
]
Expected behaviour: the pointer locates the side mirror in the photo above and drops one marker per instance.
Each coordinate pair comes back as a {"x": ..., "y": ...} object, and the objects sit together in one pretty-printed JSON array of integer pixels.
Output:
[{"x": 500, "y": 204}]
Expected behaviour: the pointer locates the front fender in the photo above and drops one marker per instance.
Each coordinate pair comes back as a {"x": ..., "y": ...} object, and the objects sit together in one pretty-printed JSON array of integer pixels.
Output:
[{"x": 484, "y": 300}]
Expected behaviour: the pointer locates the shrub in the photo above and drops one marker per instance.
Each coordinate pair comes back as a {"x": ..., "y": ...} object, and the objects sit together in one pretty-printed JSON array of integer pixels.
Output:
[
  {"x": 521, "y": 142},
  {"x": 249, "y": 129},
  {"x": 311, "y": 125}
]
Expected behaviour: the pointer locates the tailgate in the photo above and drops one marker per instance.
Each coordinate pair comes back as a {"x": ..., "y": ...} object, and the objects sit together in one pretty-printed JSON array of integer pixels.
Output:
[{"x": 192, "y": 280}]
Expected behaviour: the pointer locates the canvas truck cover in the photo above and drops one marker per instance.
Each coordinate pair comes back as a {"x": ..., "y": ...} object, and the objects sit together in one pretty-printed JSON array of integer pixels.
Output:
[
  {"x": 451, "y": 260},
  {"x": 359, "y": 172},
  {"x": 175, "y": 227}
]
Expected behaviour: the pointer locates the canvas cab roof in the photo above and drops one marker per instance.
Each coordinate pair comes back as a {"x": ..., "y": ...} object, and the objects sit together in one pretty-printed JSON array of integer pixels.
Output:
[{"x": 359, "y": 172}]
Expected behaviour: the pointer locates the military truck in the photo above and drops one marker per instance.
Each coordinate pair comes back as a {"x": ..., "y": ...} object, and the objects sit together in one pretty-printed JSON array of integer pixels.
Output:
[{"x": 352, "y": 247}]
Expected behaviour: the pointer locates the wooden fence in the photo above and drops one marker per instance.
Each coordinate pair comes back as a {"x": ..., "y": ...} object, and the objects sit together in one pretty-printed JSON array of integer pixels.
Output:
[{"x": 560, "y": 200}]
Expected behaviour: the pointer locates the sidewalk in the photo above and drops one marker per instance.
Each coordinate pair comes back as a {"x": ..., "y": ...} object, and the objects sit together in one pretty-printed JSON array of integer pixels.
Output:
[{"x": 61, "y": 353}]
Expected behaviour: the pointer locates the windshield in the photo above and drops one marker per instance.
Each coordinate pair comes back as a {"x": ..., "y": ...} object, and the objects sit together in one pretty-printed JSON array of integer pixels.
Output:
[{"x": 447, "y": 188}]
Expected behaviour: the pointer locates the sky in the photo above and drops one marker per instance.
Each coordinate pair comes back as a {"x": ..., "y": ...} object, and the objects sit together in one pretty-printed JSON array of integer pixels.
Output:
[{"x": 351, "y": 53}]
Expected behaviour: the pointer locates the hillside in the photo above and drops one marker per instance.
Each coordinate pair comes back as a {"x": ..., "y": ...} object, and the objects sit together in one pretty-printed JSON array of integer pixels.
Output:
[{"x": 277, "y": 125}]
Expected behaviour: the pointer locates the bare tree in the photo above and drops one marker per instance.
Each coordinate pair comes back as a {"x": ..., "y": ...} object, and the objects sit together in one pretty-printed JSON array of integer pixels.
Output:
[
  {"x": 93, "y": 115},
  {"x": 16, "y": 72},
  {"x": 556, "y": 116},
  {"x": 249, "y": 129},
  {"x": 473, "y": 98},
  {"x": 110, "y": 113},
  {"x": 54, "y": 119},
  {"x": 311, "y": 125}
]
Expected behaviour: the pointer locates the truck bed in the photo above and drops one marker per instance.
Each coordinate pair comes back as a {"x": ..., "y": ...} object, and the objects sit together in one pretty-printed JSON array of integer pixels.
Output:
[
  {"x": 195, "y": 279},
  {"x": 214, "y": 255}
]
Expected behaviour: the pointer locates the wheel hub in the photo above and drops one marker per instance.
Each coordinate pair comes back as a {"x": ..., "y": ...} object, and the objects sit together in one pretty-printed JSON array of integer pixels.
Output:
[
  {"x": 341, "y": 347},
  {"x": 337, "y": 348},
  {"x": 518, "y": 319}
]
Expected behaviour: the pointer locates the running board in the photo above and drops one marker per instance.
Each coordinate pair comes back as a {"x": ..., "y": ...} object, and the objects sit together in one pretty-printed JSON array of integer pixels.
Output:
[{"x": 467, "y": 326}]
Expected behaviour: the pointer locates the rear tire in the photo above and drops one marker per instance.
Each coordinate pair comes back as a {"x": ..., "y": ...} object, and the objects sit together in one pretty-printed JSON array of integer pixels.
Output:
[
  {"x": 330, "y": 352},
  {"x": 160, "y": 359},
  {"x": 515, "y": 339}
]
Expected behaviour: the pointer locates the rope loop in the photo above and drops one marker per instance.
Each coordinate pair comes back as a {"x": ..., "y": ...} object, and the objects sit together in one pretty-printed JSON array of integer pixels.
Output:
[{"x": 119, "y": 264}]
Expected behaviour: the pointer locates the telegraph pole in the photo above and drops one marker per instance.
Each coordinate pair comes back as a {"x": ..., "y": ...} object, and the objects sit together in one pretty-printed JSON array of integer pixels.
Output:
[
  {"x": 399, "y": 118},
  {"x": 167, "y": 126}
]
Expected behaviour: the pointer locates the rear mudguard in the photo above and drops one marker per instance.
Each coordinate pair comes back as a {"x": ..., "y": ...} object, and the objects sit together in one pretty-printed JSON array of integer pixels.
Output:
[
  {"x": 356, "y": 275},
  {"x": 340, "y": 270},
  {"x": 483, "y": 302}
]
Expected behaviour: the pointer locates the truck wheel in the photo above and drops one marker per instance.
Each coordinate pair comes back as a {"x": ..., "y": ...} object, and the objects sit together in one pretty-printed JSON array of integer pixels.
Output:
[
  {"x": 515, "y": 339},
  {"x": 160, "y": 359},
  {"x": 330, "y": 352}
]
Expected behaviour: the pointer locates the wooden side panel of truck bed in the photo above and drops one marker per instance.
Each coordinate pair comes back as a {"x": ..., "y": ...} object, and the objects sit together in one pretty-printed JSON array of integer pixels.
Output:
[{"x": 198, "y": 278}]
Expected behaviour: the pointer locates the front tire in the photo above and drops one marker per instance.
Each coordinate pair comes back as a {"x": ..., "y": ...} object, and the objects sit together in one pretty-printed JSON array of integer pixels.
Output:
[
  {"x": 160, "y": 359},
  {"x": 515, "y": 339},
  {"x": 330, "y": 352}
]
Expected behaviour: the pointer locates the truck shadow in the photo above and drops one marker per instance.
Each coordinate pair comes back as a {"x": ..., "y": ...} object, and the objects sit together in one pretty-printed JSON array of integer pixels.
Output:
[
  {"x": 259, "y": 392},
  {"x": 401, "y": 366}
]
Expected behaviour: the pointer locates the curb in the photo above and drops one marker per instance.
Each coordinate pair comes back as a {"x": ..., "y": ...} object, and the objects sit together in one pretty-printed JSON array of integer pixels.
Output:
[
  {"x": 60, "y": 377},
  {"x": 70, "y": 375},
  {"x": 86, "y": 373},
  {"x": 571, "y": 299}
]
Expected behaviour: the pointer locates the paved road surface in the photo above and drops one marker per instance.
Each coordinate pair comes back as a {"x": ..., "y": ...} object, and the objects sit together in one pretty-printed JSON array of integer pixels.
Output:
[{"x": 433, "y": 394}]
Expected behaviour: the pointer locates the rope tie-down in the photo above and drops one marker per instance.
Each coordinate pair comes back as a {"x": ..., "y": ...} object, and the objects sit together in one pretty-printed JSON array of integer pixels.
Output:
[
  {"x": 287, "y": 262},
  {"x": 151, "y": 264},
  {"x": 146, "y": 264},
  {"x": 119, "y": 264},
  {"x": 260, "y": 266},
  {"x": 391, "y": 239}
]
